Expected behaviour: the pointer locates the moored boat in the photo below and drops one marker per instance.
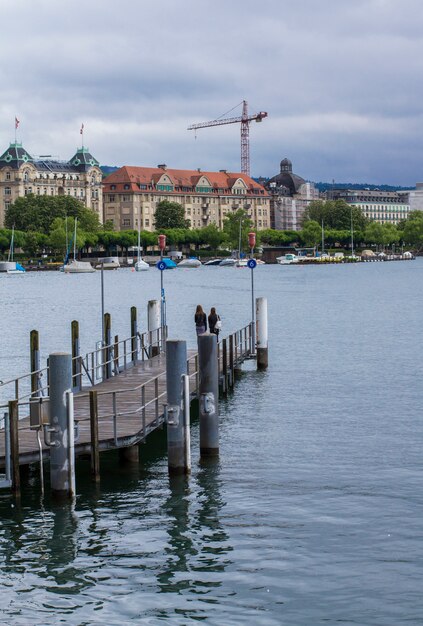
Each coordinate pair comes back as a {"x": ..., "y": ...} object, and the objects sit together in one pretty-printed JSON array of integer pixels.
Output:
[
  {"x": 287, "y": 259},
  {"x": 191, "y": 262}
]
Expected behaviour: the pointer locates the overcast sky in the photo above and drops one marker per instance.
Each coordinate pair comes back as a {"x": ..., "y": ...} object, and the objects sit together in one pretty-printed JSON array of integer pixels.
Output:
[{"x": 341, "y": 80}]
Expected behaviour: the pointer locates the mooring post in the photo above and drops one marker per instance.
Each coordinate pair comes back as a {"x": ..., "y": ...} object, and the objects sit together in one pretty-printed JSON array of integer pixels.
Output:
[
  {"x": 62, "y": 451},
  {"x": 176, "y": 367},
  {"x": 116, "y": 354},
  {"x": 208, "y": 395},
  {"x": 95, "y": 457},
  {"x": 225, "y": 365},
  {"x": 34, "y": 343},
  {"x": 231, "y": 360},
  {"x": 76, "y": 357},
  {"x": 153, "y": 325},
  {"x": 262, "y": 342},
  {"x": 107, "y": 352},
  {"x": 134, "y": 335},
  {"x": 14, "y": 446}
]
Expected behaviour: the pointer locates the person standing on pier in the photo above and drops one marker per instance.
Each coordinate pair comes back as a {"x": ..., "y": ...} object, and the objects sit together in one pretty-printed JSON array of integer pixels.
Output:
[
  {"x": 200, "y": 319},
  {"x": 214, "y": 322}
]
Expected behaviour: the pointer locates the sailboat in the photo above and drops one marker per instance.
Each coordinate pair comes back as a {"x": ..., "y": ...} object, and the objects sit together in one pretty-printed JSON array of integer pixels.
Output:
[
  {"x": 240, "y": 262},
  {"x": 10, "y": 266},
  {"x": 140, "y": 265},
  {"x": 74, "y": 266}
]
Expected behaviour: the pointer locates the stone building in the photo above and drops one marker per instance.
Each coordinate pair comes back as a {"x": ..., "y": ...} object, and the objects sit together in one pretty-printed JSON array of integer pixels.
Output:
[
  {"x": 386, "y": 207},
  {"x": 131, "y": 195},
  {"x": 289, "y": 197},
  {"x": 21, "y": 174}
]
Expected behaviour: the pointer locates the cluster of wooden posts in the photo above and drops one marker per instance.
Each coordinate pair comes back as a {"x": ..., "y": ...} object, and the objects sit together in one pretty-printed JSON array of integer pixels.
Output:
[{"x": 125, "y": 407}]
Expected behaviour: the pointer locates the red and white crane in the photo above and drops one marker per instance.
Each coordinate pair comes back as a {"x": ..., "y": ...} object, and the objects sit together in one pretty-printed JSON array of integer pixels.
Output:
[{"x": 245, "y": 120}]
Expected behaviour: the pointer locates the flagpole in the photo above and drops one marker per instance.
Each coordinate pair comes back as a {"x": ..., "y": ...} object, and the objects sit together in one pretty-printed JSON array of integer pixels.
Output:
[{"x": 16, "y": 126}]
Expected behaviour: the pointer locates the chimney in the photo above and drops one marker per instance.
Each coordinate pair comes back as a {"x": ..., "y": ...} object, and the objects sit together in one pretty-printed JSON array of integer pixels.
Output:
[
  {"x": 162, "y": 166},
  {"x": 223, "y": 171}
]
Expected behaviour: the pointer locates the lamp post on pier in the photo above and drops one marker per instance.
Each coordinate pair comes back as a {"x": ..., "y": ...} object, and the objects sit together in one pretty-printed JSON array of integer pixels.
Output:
[
  {"x": 252, "y": 264},
  {"x": 162, "y": 246}
]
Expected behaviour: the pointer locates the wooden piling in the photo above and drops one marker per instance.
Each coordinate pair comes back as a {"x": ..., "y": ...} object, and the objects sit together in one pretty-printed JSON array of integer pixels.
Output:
[
  {"x": 225, "y": 365},
  {"x": 34, "y": 343},
  {"x": 134, "y": 335},
  {"x": 107, "y": 339},
  {"x": 95, "y": 456},
  {"x": 14, "y": 446},
  {"x": 76, "y": 363},
  {"x": 231, "y": 360}
]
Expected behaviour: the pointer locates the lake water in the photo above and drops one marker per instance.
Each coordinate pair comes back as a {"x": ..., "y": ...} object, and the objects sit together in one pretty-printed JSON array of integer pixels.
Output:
[{"x": 313, "y": 512}]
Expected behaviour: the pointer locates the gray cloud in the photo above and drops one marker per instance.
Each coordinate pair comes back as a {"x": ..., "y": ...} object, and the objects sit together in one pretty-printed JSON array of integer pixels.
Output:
[{"x": 339, "y": 79}]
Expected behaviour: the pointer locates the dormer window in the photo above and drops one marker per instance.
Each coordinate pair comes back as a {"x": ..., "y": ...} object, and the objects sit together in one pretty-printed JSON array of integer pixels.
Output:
[
  {"x": 113, "y": 187},
  {"x": 126, "y": 186}
]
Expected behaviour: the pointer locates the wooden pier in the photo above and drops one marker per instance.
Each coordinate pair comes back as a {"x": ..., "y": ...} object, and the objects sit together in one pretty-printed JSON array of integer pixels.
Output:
[{"x": 118, "y": 412}]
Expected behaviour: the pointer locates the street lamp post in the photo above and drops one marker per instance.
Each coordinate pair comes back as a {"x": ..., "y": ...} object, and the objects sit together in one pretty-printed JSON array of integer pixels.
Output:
[
  {"x": 162, "y": 246},
  {"x": 352, "y": 233},
  {"x": 252, "y": 243}
]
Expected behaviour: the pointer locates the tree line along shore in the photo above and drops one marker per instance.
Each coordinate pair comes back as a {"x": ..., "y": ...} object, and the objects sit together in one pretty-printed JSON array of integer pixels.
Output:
[{"x": 43, "y": 227}]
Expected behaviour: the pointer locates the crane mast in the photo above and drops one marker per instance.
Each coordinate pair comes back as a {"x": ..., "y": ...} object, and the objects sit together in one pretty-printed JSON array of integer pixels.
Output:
[{"x": 244, "y": 120}]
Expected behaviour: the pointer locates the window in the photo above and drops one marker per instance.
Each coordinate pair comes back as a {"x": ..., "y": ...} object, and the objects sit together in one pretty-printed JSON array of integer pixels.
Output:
[
  {"x": 147, "y": 222},
  {"x": 165, "y": 187},
  {"x": 52, "y": 191},
  {"x": 7, "y": 191},
  {"x": 7, "y": 204},
  {"x": 126, "y": 221},
  {"x": 125, "y": 198},
  {"x": 7, "y": 175},
  {"x": 113, "y": 187},
  {"x": 126, "y": 186},
  {"x": 111, "y": 197}
]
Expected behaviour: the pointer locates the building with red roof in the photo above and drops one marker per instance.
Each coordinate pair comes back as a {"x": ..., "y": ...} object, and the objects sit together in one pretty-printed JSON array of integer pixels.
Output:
[{"x": 131, "y": 194}]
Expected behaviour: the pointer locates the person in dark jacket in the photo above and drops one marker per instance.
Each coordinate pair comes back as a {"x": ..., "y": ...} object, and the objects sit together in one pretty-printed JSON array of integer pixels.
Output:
[
  {"x": 214, "y": 322},
  {"x": 200, "y": 319}
]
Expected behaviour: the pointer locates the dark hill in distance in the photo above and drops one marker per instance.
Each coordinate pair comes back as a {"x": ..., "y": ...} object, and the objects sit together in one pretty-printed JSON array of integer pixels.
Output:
[{"x": 327, "y": 186}]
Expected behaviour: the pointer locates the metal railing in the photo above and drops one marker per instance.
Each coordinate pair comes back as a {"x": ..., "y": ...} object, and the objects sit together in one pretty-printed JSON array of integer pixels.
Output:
[{"x": 93, "y": 367}]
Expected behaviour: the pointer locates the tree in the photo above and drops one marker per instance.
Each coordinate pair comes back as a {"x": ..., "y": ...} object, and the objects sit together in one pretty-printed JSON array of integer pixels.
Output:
[
  {"x": 311, "y": 234},
  {"x": 37, "y": 213},
  {"x": 211, "y": 236},
  {"x": 335, "y": 214},
  {"x": 170, "y": 215},
  {"x": 231, "y": 227},
  {"x": 413, "y": 230}
]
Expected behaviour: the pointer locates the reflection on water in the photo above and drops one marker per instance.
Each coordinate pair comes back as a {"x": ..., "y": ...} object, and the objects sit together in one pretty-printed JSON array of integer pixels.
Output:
[{"x": 312, "y": 513}]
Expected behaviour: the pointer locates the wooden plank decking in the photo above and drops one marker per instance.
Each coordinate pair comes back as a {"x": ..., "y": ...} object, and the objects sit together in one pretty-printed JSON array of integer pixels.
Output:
[
  {"x": 130, "y": 405},
  {"x": 131, "y": 425}
]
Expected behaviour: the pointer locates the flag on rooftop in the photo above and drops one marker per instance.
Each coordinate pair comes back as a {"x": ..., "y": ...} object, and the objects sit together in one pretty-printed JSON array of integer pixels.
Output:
[{"x": 17, "y": 122}]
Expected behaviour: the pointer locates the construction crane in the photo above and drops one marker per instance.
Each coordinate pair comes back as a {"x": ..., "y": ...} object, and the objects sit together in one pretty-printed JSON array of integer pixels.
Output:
[{"x": 245, "y": 120}]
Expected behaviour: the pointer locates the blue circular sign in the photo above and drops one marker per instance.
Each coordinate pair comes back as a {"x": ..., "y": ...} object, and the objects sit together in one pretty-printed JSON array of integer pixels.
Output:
[
  {"x": 161, "y": 265},
  {"x": 252, "y": 263}
]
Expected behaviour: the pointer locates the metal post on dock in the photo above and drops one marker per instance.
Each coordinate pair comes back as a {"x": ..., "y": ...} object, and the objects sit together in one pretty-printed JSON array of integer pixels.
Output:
[
  {"x": 76, "y": 357},
  {"x": 176, "y": 368},
  {"x": 153, "y": 325},
  {"x": 134, "y": 335},
  {"x": 61, "y": 429},
  {"x": 34, "y": 343},
  {"x": 262, "y": 340},
  {"x": 208, "y": 395}
]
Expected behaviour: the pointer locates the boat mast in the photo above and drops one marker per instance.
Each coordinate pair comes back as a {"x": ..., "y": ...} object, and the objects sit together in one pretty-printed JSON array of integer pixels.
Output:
[
  {"x": 139, "y": 238},
  {"x": 239, "y": 244},
  {"x": 74, "y": 240},
  {"x": 323, "y": 236},
  {"x": 352, "y": 234},
  {"x": 10, "y": 255}
]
